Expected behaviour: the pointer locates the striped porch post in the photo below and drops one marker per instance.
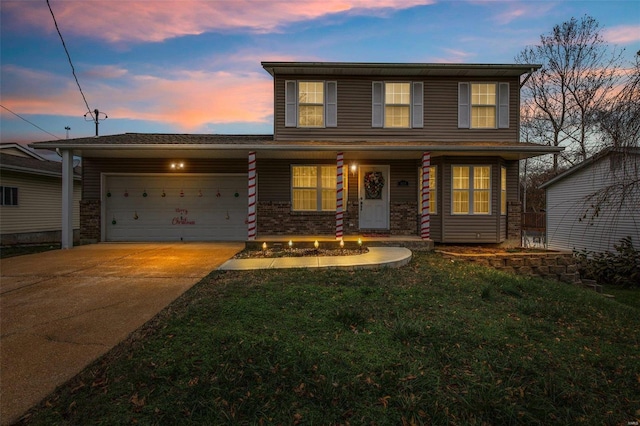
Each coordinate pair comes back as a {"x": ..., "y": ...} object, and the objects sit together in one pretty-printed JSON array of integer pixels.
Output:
[
  {"x": 251, "y": 219},
  {"x": 425, "y": 232},
  {"x": 340, "y": 197}
]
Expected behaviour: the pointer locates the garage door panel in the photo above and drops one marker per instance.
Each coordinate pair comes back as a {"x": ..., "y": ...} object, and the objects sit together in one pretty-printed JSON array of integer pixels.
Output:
[{"x": 174, "y": 208}]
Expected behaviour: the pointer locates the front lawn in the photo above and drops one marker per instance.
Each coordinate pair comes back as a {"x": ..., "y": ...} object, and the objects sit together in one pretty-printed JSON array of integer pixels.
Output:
[{"x": 434, "y": 342}]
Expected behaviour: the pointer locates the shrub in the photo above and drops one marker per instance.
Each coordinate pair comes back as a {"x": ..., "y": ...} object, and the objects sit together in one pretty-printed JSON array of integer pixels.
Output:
[{"x": 620, "y": 268}]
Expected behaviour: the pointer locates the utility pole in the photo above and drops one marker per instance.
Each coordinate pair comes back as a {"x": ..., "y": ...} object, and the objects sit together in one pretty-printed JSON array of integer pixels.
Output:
[
  {"x": 95, "y": 117},
  {"x": 67, "y": 128}
]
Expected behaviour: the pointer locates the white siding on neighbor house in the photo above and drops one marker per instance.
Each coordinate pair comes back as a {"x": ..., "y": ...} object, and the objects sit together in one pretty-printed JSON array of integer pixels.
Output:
[
  {"x": 566, "y": 205},
  {"x": 39, "y": 206}
]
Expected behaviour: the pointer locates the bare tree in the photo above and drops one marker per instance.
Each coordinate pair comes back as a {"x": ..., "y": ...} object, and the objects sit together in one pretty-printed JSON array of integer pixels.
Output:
[
  {"x": 619, "y": 127},
  {"x": 578, "y": 73}
]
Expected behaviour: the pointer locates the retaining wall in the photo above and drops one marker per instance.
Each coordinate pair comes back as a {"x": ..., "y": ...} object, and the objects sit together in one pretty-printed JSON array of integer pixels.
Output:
[{"x": 560, "y": 266}]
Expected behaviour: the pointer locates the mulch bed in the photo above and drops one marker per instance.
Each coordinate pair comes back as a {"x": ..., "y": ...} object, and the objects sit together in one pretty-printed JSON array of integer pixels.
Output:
[{"x": 298, "y": 252}]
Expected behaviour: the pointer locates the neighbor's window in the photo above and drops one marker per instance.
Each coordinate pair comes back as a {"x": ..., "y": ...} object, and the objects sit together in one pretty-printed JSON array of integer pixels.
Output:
[
  {"x": 483, "y": 105},
  {"x": 471, "y": 189},
  {"x": 503, "y": 190},
  {"x": 397, "y": 102},
  {"x": 311, "y": 104},
  {"x": 8, "y": 196},
  {"x": 314, "y": 188},
  {"x": 433, "y": 188}
]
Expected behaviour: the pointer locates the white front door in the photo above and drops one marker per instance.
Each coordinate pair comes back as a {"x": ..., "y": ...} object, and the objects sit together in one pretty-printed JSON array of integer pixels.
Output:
[{"x": 373, "y": 194}]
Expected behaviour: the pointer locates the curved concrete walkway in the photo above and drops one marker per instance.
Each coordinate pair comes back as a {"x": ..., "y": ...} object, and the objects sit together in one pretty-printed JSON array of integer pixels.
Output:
[
  {"x": 392, "y": 257},
  {"x": 62, "y": 309}
]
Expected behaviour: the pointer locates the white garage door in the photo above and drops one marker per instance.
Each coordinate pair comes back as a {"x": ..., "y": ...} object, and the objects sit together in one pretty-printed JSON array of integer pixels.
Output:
[{"x": 175, "y": 207}]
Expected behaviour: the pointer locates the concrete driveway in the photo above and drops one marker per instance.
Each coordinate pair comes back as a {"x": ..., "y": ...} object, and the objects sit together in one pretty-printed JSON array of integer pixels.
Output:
[{"x": 60, "y": 310}]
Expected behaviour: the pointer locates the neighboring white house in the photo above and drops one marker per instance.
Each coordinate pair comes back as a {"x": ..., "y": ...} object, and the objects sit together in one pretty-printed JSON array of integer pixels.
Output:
[
  {"x": 571, "y": 201},
  {"x": 31, "y": 197}
]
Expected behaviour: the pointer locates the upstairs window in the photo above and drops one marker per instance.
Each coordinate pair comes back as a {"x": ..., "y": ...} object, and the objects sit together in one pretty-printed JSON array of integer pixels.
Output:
[
  {"x": 8, "y": 196},
  {"x": 313, "y": 188},
  {"x": 397, "y": 104},
  {"x": 483, "y": 105},
  {"x": 311, "y": 104}
]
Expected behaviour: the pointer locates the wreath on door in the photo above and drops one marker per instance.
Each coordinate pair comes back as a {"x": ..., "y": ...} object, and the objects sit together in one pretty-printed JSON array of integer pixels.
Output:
[{"x": 373, "y": 184}]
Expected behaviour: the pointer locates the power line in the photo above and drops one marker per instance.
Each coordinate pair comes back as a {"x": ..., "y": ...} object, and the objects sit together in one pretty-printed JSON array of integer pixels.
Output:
[
  {"x": 34, "y": 125},
  {"x": 73, "y": 70}
]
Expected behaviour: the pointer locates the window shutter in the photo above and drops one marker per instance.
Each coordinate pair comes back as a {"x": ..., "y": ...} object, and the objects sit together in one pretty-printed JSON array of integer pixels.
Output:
[
  {"x": 331, "y": 108},
  {"x": 464, "y": 106},
  {"x": 417, "y": 105},
  {"x": 291, "y": 104},
  {"x": 377, "y": 110},
  {"x": 503, "y": 105}
]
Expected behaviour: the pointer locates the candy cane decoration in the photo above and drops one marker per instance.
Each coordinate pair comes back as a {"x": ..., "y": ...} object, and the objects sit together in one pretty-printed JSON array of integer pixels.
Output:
[
  {"x": 339, "y": 197},
  {"x": 251, "y": 221},
  {"x": 424, "y": 224}
]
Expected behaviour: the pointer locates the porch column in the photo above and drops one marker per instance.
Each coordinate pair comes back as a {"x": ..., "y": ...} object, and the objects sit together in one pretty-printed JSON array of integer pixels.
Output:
[
  {"x": 251, "y": 218},
  {"x": 340, "y": 197},
  {"x": 425, "y": 232},
  {"x": 67, "y": 200}
]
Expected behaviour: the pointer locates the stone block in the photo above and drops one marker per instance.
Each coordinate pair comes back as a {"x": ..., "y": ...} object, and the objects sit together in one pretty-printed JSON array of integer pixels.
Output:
[
  {"x": 532, "y": 261},
  {"x": 515, "y": 262},
  {"x": 482, "y": 261},
  {"x": 525, "y": 270},
  {"x": 565, "y": 259},
  {"x": 557, "y": 270},
  {"x": 569, "y": 278},
  {"x": 496, "y": 262},
  {"x": 541, "y": 270},
  {"x": 572, "y": 268}
]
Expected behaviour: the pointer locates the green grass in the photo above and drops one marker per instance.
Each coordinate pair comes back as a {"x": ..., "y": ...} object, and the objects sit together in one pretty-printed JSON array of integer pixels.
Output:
[{"x": 435, "y": 342}]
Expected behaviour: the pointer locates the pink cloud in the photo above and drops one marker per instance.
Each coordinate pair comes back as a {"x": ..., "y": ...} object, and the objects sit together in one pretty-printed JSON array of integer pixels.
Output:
[
  {"x": 104, "y": 72},
  {"x": 143, "y": 21},
  {"x": 189, "y": 100},
  {"x": 623, "y": 34}
]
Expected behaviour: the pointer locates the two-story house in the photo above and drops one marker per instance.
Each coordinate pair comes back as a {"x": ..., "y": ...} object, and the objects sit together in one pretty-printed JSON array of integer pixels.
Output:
[{"x": 428, "y": 150}]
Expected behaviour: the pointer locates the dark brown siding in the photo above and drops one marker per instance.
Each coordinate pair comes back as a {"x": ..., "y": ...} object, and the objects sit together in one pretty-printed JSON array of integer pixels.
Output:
[
  {"x": 354, "y": 113},
  {"x": 92, "y": 167},
  {"x": 471, "y": 228}
]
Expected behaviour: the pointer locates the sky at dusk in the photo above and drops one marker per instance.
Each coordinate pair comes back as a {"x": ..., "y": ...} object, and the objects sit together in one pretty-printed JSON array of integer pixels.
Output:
[{"x": 193, "y": 66}]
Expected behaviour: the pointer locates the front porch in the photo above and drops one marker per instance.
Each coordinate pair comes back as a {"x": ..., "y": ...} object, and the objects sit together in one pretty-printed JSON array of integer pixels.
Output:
[{"x": 412, "y": 242}]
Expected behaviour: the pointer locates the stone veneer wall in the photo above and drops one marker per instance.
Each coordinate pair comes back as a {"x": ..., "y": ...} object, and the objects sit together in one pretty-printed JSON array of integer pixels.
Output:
[
  {"x": 514, "y": 221},
  {"x": 404, "y": 219},
  {"x": 90, "y": 231},
  {"x": 276, "y": 218},
  {"x": 560, "y": 266}
]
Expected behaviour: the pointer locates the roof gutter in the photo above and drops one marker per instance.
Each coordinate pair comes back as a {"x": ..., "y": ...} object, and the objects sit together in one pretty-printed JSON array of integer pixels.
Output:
[
  {"x": 306, "y": 147},
  {"x": 35, "y": 171}
]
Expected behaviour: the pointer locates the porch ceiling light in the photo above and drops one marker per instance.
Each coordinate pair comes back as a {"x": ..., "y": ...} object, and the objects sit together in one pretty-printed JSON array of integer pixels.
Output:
[
  {"x": 177, "y": 165},
  {"x": 353, "y": 168}
]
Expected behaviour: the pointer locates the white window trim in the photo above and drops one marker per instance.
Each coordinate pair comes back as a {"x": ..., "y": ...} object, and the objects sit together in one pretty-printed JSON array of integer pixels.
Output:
[
  {"x": 318, "y": 188},
  {"x": 416, "y": 105},
  {"x": 292, "y": 106},
  {"x": 471, "y": 190},
  {"x": 465, "y": 105}
]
